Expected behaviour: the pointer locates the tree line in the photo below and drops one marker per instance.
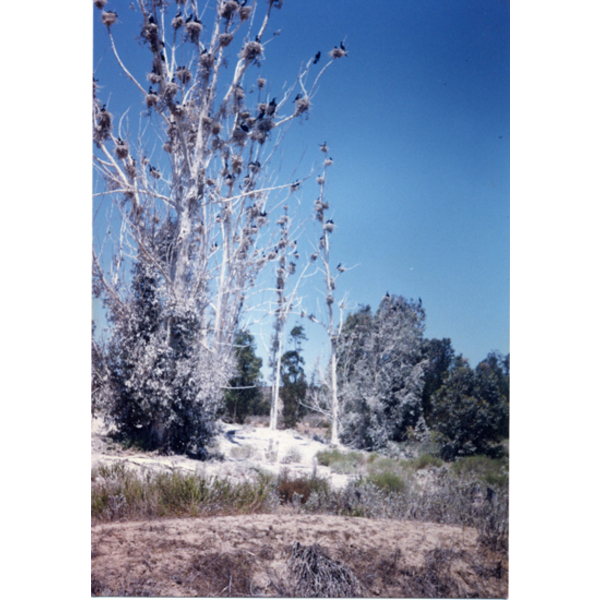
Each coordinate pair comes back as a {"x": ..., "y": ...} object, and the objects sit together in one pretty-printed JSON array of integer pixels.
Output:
[{"x": 395, "y": 385}]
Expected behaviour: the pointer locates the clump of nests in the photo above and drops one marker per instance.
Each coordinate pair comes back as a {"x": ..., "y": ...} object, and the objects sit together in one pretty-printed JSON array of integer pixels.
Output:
[
  {"x": 338, "y": 52},
  {"x": 183, "y": 74},
  {"x": 171, "y": 89},
  {"x": 228, "y": 9},
  {"x": 103, "y": 125},
  {"x": 151, "y": 98},
  {"x": 251, "y": 51},
  {"x": 193, "y": 30},
  {"x": 316, "y": 575},
  {"x": 177, "y": 22},
  {"x": 206, "y": 61},
  {"x": 109, "y": 18},
  {"x": 302, "y": 105},
  {"x": 121, "y": 149},
  {"x": 225, "y": 39}
]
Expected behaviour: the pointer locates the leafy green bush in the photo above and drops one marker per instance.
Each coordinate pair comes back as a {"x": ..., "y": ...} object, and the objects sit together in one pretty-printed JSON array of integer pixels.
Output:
[
  {"x": 492, "y": 471},
  {"x": 470, "y": 414},
  {"x": 388, "y": 481}
]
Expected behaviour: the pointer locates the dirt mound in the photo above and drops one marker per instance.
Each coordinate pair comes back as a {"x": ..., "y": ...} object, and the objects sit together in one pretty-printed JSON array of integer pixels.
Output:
[{"x": 253, "y": 555}]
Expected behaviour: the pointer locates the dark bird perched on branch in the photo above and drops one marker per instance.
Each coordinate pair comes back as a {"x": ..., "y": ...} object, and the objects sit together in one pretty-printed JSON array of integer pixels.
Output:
[
  {"x": 342, "y": 46},
  {"x": 317, "y": 57},
  {"x": 189, "y": 18},
  {"x": 300, "y": 96},
  {"x": 340, "y": 268},
  {"x": 151, "y": 20}
]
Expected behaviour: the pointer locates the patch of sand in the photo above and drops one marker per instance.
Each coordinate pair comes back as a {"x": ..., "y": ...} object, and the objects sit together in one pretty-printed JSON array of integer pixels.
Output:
[{"x": 247, "y": 555}]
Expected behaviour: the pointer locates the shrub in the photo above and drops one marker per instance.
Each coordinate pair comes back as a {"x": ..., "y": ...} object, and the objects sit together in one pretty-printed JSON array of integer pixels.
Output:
[
  {"x": 470, "y": 414},
  {"x": 390, "y": 482}
]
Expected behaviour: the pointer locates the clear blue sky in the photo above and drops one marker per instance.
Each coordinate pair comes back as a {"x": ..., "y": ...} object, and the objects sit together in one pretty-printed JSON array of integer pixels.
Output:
[{"x": 418, "y": 123}]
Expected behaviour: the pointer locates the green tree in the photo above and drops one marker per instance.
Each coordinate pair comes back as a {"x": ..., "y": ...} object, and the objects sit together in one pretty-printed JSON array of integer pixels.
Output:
[
  {"x": 293, "y": 379},
  {"x": 244, "y": 396},
  {"x": 470, "y": 413},
  {"x": 439, "y": 355},
  {"x": 500, "y": 366}
]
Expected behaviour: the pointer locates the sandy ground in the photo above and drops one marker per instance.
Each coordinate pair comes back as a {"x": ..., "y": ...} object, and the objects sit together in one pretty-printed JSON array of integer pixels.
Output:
[
  {"x": 243, "y": 448},
  {"x": 247, "y": 555}
]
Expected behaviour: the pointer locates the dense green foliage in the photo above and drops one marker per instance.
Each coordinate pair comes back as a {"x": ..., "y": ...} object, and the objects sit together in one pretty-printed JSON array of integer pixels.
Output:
[
  {"x": 158, "y": 393},
  {"x": 470, "y": 413},
  {"x": 293, "y": 380},
  {"x": 244, "y": 396}
]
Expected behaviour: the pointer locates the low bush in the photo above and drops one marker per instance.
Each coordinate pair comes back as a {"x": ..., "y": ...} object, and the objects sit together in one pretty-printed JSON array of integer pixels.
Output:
[{"x": 121, "y": 493}]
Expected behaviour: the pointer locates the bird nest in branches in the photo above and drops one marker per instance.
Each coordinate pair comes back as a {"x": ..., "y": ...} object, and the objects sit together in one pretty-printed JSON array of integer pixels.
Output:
[
  {"x": 245, "y": 12},
  {"x": 206, "y": 61},
  {"x": 225, "y": 39},
  {"x": 104, "y": 119},
  {"x": 151, "y": 99},
  {"x": 239, "y": 135},
  {"x": 154, "y": 78},
  {"x": 328, "y": 162},
  {"x": 150, "y": 32},
  {"x": 265, "y": 125},
  {"x": 193, "y": 30},
  {"x": 251, "y": 51},
  {"x": 177, "y": 22},
  {"x": 100, "y": 3},
  {"x": 316, "y": 575},
  {"x": 121, "y": 149},
  {"x": 228, "y": 9},
  {"x": 171, "y": 89},
  {"x": 329, "y": 300},
  {"x": 109, "y": 18},
  {"x": 260, "y": 82},
  {"x": 259, "y": 136},
  {"x": 329, "y": 226},
  {"x": 320, "y": 180},
  {"x": 302, "y": 105},
  {"x": 236, "y": 163},
  {"x": 216, "y": 128},
  {"x": 337, "y": 53},
  {"x": 183, "y": 74}
]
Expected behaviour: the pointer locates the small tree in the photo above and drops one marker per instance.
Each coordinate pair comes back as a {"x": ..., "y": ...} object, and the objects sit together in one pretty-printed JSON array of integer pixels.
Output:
[
  {"x": 439, "y": 355},
  {"x": 244, "y": 393},
  {"x": 293, "y": 391}
]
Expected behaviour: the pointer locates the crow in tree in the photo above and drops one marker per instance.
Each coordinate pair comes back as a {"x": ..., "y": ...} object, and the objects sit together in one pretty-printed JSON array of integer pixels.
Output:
[
  {"x": 317, "y": 57},
  {"x": 189, "y": 18},
  {"x": 151, "y": 20},
  {"x": 342, "y": 46},
  {"x": 297, "y": 97}
]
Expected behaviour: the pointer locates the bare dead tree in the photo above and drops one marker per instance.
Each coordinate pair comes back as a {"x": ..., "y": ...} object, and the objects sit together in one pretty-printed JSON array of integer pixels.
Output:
[
  {"x": 328, "y": 320},
  {"x": 190, "y": 193}
]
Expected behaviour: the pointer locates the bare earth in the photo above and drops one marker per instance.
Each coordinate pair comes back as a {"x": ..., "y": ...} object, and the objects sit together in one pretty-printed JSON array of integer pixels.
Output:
[{"x": 248, "y": 555}]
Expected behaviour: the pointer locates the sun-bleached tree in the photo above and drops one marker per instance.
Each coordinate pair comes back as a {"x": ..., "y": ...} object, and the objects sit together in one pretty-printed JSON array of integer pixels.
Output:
[
  {"x": 328, "y": 318},
  {"x": 191, "y": 200},
  {"x": 381, "y": 370}
]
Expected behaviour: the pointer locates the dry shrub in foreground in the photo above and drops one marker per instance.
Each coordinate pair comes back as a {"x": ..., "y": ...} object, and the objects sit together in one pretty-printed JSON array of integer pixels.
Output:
[{"x": 315, "y": 575}]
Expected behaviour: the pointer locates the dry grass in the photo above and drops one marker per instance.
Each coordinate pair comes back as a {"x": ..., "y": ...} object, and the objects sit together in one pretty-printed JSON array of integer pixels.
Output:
[{"x": 316, "y": 575}]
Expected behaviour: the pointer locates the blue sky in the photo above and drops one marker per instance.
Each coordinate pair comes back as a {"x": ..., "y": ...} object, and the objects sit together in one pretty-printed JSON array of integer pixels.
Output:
[{"x": 417, "y": 119}]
